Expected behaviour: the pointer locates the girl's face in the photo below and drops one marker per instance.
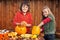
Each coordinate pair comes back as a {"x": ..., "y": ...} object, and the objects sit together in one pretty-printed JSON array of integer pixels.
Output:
[
  {"x": 24, "y": 8},
  {"x": 45, "y": 12}
]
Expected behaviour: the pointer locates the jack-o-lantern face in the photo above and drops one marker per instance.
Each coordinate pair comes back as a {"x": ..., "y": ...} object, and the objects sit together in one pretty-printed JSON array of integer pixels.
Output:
[{"x": 20, "y": 30}]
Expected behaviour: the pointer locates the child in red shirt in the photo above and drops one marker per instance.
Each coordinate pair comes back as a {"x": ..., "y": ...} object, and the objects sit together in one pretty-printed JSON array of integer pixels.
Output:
[{"x": 23, "y": 16}]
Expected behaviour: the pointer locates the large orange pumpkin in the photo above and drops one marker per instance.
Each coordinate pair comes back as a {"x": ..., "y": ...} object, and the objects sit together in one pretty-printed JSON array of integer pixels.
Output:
[
  {"x": 36, "y": 30},
  {"x": 20, "y": 29}
]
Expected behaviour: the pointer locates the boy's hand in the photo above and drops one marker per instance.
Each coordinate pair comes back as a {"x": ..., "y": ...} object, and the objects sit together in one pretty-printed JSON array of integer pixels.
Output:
[
  {"x": 17, "y": 23},
  {"x": 23, "y": 23}
]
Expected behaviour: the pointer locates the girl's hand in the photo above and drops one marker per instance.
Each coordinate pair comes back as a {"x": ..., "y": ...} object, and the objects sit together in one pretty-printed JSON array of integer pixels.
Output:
[{"x": 40, "y": 24}]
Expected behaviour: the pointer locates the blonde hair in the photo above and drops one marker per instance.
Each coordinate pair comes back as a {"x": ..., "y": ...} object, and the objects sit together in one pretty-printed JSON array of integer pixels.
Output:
[{"x": 49, "y": 11}]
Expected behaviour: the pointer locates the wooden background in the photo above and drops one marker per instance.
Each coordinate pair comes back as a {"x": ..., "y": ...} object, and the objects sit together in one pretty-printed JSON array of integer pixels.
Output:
[{"x": 8, "y": 8}]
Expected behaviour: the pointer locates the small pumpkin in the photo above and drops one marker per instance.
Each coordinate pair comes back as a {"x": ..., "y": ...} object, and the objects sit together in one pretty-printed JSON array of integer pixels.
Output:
[
  {"x": 20, "y": 29},
  {"x": 36, "y": 30}
]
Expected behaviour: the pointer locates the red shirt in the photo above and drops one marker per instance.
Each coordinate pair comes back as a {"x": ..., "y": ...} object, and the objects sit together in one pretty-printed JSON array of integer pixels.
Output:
[
  {"x": 46, "y": 20},
  {"x": 19, "y": 17}
]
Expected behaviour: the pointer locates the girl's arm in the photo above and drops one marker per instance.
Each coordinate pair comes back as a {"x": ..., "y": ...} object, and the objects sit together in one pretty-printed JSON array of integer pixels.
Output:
[
  {"x": 16, "y": 19},
  {"x": 45, "y": 21},
  {"x": 40, "y": 24}
]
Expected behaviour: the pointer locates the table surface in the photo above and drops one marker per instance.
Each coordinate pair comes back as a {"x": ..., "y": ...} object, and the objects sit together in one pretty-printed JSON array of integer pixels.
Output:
[{"x": 40, "y": 38}]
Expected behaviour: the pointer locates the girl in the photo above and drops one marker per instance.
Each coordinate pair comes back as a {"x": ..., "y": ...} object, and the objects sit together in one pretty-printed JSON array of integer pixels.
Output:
[
  {"x": 48, "y": 22},
  {"x": 23, "y": 16}
]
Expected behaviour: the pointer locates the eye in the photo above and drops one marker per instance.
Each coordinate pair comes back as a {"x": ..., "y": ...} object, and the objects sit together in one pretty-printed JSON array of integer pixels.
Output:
[
  {"x": 26, "y": 7},
  {"x": 45, "y": 12}
]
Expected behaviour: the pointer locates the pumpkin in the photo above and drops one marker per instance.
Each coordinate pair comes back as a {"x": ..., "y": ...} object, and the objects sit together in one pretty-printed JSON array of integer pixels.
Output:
[
  {"x": 20, "y": 29},
  {"x": 36, "y": 30}
]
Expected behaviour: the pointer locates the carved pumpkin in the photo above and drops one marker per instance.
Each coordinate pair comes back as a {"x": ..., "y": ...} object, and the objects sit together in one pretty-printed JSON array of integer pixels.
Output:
[
  {"x": 20, "y": 29},
  {"x": 36, "y": 30}
]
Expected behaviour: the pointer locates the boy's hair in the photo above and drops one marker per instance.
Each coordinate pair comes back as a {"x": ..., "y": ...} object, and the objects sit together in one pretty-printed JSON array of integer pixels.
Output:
[{"x": 24, "y": 3}]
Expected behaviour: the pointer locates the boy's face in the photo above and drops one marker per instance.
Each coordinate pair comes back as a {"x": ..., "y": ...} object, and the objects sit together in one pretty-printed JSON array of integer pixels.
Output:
[
  {"x": 45, "y": 12},
  {"x": 24, "y": 8}
]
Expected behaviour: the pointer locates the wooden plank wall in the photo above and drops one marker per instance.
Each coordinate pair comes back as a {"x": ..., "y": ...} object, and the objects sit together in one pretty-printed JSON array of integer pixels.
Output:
[{"x": 8, "y": 8}]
